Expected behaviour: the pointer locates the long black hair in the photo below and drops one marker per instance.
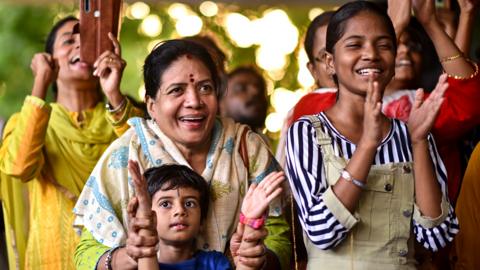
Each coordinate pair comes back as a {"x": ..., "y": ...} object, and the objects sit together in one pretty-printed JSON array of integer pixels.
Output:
[{"x": 50, "y": 42}]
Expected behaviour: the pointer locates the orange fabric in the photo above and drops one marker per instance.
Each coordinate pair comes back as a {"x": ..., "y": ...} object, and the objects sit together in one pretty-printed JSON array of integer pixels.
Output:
[{"x": 467, "y": 242}]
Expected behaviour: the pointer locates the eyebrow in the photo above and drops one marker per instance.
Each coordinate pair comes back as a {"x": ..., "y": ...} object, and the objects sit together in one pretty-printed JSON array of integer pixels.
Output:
[
  {"x": 66, "y": 34},
  {"x": 183, "y": 84},
  {"x": 171, "y": 197},
  {"x": 363, "y": 37}
]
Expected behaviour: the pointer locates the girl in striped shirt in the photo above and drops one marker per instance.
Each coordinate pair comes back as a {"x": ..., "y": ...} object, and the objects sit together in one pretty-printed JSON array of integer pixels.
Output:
[{"x": 367, "y": 186}]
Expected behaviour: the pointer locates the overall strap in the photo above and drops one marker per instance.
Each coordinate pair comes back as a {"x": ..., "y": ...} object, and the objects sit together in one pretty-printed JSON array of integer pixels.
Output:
[{"x": 323, "y": 139}]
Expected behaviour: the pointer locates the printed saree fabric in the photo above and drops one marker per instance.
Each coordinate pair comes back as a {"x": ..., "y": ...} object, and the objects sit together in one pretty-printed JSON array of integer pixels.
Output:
[{"x": 102, "y": 205}]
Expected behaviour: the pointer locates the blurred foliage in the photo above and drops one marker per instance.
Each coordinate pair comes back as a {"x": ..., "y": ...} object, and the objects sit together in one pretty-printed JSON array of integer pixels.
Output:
[{"x": 23, "y": 30}]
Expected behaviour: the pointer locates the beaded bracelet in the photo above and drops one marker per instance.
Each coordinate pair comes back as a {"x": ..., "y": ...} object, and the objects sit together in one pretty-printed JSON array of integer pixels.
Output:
[
  {"x": 451, "y": 58},
  {"x": 475, "y": 72},
  {"x": 108, "y": 259}
]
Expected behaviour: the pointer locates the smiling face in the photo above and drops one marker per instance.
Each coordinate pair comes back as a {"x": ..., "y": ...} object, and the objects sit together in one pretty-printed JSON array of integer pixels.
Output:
[
  {"x": 66, "y": 54},
  {"x": 366, "y": 49},
  {"x": 408, "y": 62},
  {"x": 186, "y": 103},
  {"x": 178, "y": 215}
]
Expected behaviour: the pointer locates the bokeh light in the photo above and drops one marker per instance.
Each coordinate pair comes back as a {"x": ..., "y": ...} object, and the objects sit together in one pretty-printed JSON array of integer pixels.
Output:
[
  {"x": 304, "y": 77},
  {"x": 208, "y": 8},
  {"x": 141, "y": 92},
  {"x": 189, "y": 25},
  {"x": 151, "y": 26},
  {"x": 239, "y": 30},
  {"x": 314, "y": 12},
  {"x": 178, "y": 10},
  {"x": 138, "y": 10},
  {"x": 270, "y": 59},
  {"x": 274, "y": 122}
]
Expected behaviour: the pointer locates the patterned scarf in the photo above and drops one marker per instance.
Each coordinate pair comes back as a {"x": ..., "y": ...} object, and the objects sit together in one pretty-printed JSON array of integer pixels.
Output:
[{"x": 102, "y": 205}]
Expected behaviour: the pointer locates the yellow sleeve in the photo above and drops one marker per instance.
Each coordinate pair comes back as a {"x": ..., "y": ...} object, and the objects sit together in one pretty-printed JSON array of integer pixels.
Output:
[
  {"x": 88, "y": 251},
  {"x": 119, "y": 120},
  {"x": 24, "y": 136}
]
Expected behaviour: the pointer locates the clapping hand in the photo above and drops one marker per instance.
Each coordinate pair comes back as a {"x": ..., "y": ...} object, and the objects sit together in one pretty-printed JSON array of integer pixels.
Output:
[
  {"x": 372, "y": 116},
  {"x": 423, "y": 113}
]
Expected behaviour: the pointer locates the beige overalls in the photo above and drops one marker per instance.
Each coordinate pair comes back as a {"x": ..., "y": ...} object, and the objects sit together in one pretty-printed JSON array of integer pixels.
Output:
[{"x": 381, "y": 237}]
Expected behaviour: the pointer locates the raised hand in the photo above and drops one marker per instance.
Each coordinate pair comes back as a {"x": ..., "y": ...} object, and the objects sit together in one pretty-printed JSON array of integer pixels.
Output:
[
  {"x": 142, "y": 235},
  {"x": 260, "y": 195},
  {"x": 109, "y": 68},
  {"x": 372, "y": 116},
  {"x": 400, "y": 13},
  {"x": 423, "y": 113},
  {"x": 468, "y": 6},
  {"x": 425, "y": 11},
  {"x": 44, "y": 72},
  {"x": 144, "y": 208}
]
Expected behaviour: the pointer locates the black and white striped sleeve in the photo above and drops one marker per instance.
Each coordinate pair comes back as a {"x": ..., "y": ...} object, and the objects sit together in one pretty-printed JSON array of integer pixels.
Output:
[
  {"x": 308, "y": 184},
  {"x": 435, "y": 233}
]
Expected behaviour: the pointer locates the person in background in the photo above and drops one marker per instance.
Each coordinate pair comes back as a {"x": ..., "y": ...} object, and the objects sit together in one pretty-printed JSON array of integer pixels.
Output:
[
  {"x": 357, "y": 175},
  {"x": 325, "y": 94},
  {"x": 182, "y": 82},
  {"x": 54, "y": 146},
  {"x": 246, "y": 98}
]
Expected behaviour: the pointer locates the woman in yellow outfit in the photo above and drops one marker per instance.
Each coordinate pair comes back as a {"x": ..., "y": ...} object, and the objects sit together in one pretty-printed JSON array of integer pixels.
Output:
[{"x": 55, "y": 146}]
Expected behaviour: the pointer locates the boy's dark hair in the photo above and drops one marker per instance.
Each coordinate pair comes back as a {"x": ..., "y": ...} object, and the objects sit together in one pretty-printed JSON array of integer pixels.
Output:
[{"x": 174, "y": 176}]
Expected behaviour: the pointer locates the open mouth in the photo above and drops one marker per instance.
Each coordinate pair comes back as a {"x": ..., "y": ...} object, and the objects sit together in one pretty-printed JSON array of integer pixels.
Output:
[
  {"x": 192, "y": 119},
  {"x": 403, "y": 63},
  {"x": 75, "y": 60},
  {"x": 369, "y": 71}
]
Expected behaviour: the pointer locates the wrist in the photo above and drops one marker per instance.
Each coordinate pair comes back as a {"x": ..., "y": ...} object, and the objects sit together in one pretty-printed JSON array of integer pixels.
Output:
[
  {"x": 419, "y": 142},
  {"x": 431, "y": 25},
  {"x": 116, "y": 106},
  {"x": 254, "y": 223},
  {"x": 366, "y": 145},
  {"x": 115, "y": 98}
]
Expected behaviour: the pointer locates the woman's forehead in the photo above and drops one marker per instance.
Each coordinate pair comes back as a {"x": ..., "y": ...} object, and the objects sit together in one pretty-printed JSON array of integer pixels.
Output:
[{"x": 184, "y": 68}]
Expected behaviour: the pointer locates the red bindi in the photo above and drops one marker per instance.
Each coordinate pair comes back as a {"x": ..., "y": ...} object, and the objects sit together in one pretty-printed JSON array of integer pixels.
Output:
[
  {"x": 189, "y": 56},
  {"x": 191, "y": 78}
]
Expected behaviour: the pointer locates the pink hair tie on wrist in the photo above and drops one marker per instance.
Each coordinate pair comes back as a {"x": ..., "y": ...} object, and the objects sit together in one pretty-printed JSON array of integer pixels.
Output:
[{"x": 254, "y": 223}]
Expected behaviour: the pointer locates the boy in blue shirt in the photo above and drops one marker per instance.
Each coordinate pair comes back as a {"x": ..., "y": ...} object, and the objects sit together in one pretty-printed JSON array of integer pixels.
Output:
[{"x": 180, "y": 198}]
